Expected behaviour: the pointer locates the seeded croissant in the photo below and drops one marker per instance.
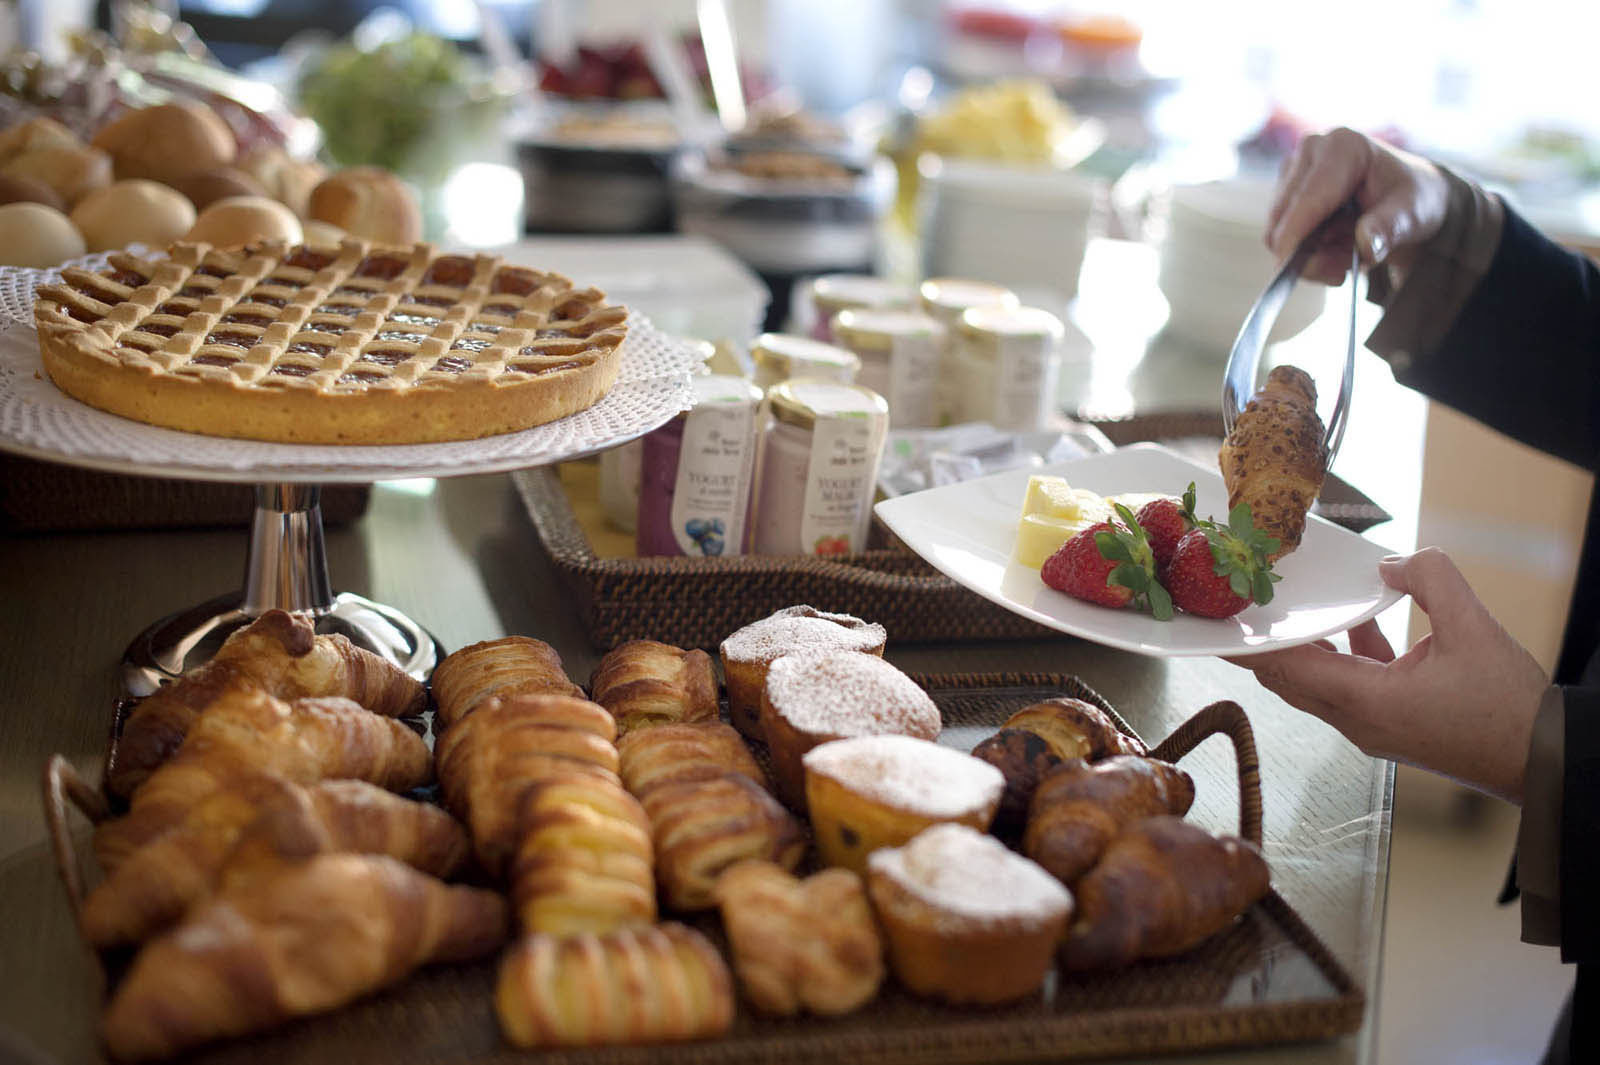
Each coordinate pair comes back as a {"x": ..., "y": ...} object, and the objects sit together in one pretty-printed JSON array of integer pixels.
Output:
[{"x": 1274, "y": 459}]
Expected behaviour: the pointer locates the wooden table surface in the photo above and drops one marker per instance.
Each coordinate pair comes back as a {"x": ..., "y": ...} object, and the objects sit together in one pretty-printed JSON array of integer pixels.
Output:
[{"x": 460, "y": 556}]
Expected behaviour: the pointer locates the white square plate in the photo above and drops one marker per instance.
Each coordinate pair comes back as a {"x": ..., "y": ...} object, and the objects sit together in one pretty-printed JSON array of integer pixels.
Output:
[{"x": 968, "y": 531}]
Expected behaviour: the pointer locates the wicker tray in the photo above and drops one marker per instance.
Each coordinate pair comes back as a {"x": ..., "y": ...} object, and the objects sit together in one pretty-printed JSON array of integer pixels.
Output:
[
  {"x": 1267, "y": 979},
  {"x": 49, "y": 497}
]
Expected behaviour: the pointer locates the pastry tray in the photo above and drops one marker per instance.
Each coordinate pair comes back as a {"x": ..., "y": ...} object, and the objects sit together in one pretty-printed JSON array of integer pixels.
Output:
[{"x": 1266, "y": 979}]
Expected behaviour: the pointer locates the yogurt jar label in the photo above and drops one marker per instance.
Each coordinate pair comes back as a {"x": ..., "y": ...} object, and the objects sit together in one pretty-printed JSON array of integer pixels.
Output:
[
  {"x": 914, "y": 370},
  {"x": 840, "y": 482},
  {"x": 1025, "y": 372},
  {"x": 715, "y": 464}
]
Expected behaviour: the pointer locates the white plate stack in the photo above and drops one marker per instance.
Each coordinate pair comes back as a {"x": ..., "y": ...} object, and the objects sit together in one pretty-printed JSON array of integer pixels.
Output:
[{"x": 1214, "y": 263}]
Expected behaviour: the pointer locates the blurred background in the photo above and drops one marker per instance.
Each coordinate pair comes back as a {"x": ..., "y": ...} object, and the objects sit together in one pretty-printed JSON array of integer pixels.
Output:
[{"x": 1109, "y": 161}]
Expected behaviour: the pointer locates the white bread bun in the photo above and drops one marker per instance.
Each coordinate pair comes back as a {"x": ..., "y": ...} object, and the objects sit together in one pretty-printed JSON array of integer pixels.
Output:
[
  {"x": 32, "y": 234},
  {"x": 366, "y": 201},
  {"x": 37, "y": 133},
  {"x": 28, "y": 190},
  {"x": 240, "y": 220},
  {"x": 323, "y": 233},
  {"x": 167, "y": 142},
  {"x": 284, "y": 178},
  {"x": 130, "y": 212},
  {"x": 208, "y": 186},
  {"x": 71, "y": 170}
]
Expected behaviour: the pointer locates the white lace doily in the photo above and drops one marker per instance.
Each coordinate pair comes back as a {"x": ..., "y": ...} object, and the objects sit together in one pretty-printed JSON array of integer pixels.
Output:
[{"x": 40, "y": 420}]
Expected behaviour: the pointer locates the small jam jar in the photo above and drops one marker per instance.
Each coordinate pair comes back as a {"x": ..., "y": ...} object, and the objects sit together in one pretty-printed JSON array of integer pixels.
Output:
[
  {"x": 832, "y": 293},
  {"x": 696, "y": 472},
  {"x": 819, "y": 468},
  {"x": 1007, "y": 363},
  {"x": 901, "y": 354},
  {"x": 780, "y": 356}
]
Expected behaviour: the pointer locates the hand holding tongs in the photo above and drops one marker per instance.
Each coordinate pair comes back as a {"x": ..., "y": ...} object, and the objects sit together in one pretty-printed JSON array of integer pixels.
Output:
[{"x": 1244, "y": 361}]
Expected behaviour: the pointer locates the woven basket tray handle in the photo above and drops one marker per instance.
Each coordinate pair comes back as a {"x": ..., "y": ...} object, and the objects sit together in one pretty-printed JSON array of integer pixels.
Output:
[
  {"x": 63, "y": 784},
  {"x": 1226, "y": 718}
]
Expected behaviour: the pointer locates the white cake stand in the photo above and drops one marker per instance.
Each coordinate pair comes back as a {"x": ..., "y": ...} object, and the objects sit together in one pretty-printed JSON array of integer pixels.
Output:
[{"x": 286, "y": 565}]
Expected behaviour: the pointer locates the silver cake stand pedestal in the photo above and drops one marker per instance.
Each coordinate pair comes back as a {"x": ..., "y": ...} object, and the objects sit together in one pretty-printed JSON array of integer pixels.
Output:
[
  {"x": 286, "y": 568},
  {"x": 286, "y": 565}
]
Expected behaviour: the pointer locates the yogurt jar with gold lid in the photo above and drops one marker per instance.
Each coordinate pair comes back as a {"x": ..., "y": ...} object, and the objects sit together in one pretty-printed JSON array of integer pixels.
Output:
[
  {"x": 780, "y": 356},
  {"x": 697, "y": 471},
  {"x": 819, "y": 467},
  {"x": 1007, "y": 363},
  {"x": 947, "y": 298},
  {"x": 901, "y": 353},
  {"x": 832, "y": 293}
]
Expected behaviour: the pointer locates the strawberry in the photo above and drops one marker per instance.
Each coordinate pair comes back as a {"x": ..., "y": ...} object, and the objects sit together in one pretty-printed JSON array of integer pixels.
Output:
[
  {"x": 1217, "y": 570},
  {"x": 1164, "y": 522},
  {"x": 1110, "y": 564}
]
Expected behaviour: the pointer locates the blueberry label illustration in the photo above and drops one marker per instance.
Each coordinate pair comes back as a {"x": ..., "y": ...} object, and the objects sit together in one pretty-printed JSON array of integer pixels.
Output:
[{"x": 715, "y": 465}]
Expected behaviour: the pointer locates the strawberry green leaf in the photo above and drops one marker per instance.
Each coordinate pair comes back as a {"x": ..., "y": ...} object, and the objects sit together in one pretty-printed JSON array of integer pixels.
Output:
[
  {"x": 1160, "y": 602},
  {"x": 1239, "y": 581},
  {"x": 1113, "y": 547},
  {"x": 1240, "y": 522},
  {"x": 1187, "y": 505},
  {"x": 1131, "y": 576},
  {"x": 1261, "y": 588}
]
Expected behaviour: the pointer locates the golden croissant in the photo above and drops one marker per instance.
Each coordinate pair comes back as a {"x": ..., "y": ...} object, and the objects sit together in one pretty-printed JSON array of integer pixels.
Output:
[
  {"x": 1080, "y": 808},
  {"x": 583, "y": 859},
  {"x": 801, "y": 944},
  {"x": 635, "y": 985},
  {"x": 1274, "y": 459},
  {"x": 248, "y": 732},
  {"x": 306, "y": 939},
  {"x": 255, "y": 824},
  {"x": 643, "y": 682},
  {"x": 1160, "y": 889},
  {"x": 488, "y": 761},
  {"x": 282, "y": 655},
  {"x": 513, "y": 665}
]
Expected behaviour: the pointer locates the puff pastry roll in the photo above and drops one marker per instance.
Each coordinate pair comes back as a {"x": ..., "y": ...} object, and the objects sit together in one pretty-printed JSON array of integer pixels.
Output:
[
  {"x": 701, "y": 827},
  {"x": 635, "y": 985},
  {"x": 513, "y": 665},
  {"x": 808, "y": 944},
  {"x": 668, "y": 754},
  {"x": 643, "y": 682}
]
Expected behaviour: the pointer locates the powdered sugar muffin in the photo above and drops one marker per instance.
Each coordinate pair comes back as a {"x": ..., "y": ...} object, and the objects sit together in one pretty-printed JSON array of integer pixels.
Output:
[
  {"x": 967, "y": 919},
  {"x": 880, "y": 791},
  {"x": 748, "y": 653},
  {"x": 810, "y": 699}
]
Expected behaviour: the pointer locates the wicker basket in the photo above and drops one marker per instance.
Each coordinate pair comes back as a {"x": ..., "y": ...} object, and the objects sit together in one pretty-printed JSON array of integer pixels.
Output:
[
  {"x": 1266, "y": 979},
  {"x": 47, "y": 497}
]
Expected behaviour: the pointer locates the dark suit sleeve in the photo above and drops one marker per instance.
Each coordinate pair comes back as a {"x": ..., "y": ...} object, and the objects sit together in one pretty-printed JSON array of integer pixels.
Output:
[
  {"x": 1523, "y": 353},
  {"x": 1580, "y": 827}
]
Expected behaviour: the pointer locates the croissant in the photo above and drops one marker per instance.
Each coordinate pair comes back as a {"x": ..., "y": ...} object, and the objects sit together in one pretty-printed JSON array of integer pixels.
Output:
[
  {"x": 643, "y": 682},
  {"x": 1081, "y": 807},
  {"x": 256, "y": 823},
  {"x": 247, "y": 731},
  {"x": 701, "y": 827},
  {"x": 1161, "y": 888},
  {"x": 1274, "y": 459},
  {"x": 282, "y": 655},
  {"x": 513, "y": 665},
  {"x": 489, "y": 760},
  {"x": 583, "y": 862},
  {"x": 306, "y": 939},
  {"x": 801, "y": 944},
  {"x": 634, "y": 985},
  {"x": 1040, "y": 737},
  {"x": 665, "y": 754}
]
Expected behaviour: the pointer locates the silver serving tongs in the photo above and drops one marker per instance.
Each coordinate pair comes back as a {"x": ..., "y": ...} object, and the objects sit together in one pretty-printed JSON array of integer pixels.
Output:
[{"x": 1244, "y": 361}]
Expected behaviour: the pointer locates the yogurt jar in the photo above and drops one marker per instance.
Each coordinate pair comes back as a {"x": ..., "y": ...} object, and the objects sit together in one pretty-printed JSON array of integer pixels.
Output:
[
  {"x": 696, "y": 472},
  {"x": 1007, "y": 363},
  {"x": 780, "y": 356},
  {"x": 833, "y": 293},
  {"x": 822, "y": 444},
  {"x": 946, "y": 299},
  {"x": 619, "y": 484},
  {"x": 901, "y": 354}
]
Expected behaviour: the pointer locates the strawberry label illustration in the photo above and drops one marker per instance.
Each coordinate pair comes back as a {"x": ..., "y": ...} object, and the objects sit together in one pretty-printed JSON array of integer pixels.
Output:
[{"x": 845, "y": 448}]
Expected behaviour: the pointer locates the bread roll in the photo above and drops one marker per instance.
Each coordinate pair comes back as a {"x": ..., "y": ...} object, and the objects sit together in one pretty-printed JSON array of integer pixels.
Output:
[
  {"x": 71, "y": 170},
  {"x": 240, "y": 220},
  {"x": 32, "y": 234},
  {"x": 28, "y": 190},
  {"x": 366, "y": 201},
  {"x": 209, "y": 186},
  {"x": 129, "y": 212},
  {"x": 281, "y": 176},
  {"x": 167, "y": 142},
  {"x": 34, "y": 134},
  {"x": 321, "y": 232}
]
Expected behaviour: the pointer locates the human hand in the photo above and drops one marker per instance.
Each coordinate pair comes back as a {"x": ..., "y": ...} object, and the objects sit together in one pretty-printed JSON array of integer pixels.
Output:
[
  {"x": 1461, "y": 702},
  {"x": 1402, "y": 197}
]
